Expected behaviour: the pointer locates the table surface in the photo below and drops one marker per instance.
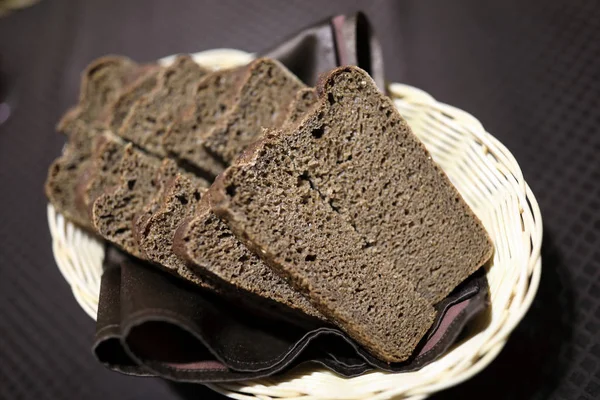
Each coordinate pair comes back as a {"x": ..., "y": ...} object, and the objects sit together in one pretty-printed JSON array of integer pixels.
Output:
[{"x": 530, "y": 71}]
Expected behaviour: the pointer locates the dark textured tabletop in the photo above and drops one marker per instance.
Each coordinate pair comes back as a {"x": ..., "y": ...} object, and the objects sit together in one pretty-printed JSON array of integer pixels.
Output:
[{"x": 530, "y": 71}]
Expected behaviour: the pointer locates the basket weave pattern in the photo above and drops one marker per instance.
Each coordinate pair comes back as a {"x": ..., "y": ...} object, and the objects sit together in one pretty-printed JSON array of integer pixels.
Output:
[{"x": 489, "y": 179}]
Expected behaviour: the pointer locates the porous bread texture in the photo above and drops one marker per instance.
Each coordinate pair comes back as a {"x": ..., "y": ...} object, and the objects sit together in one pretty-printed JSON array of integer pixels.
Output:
[
  {"x": 154, "y": 112},
  {"x": 113, "y": 211},
  {"x": 64, "y": 172},
  {"x": 350, "y": 207},
  {"x": 101, "y": 83},
  {"x": 102, "y": 172},
  {"x": 176, "y": 200},
  {"x": 129, "y": 96},
  {"x": 298, "y": 234},
  {"x": 213, "y": 98},
  {"x": 212, "y": 249},
  {"x": 262, "y": 101}
]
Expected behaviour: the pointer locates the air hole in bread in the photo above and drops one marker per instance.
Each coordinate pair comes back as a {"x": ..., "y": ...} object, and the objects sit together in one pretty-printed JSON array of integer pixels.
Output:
[
  {"x": 231, "y": 189},
  {"x": 318, "y": 132},
  {"x": 182, "y": 199}
]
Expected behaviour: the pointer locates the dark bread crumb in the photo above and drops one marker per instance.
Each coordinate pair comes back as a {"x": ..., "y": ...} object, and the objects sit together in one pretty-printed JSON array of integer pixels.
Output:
[
  {"x": 213, "y": 97},
  {"x": 144, "y": 84},
  {"x": 176, "y": 200},
  {"x": 262, "y": 101},
  {"x": 101, "y": 83},
  {"x": 102, "y": 171},
  {"x": 276, "y": 213},
  {"x": 211, "y": 248},
  {"x": 153, "y": 113},
  {"x": 114, "y": 210}
]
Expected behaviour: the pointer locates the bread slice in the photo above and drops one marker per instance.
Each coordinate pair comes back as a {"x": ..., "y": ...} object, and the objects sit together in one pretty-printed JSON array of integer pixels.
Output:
[
  {"x": 274, "y": 210},
  {"x": 178, "y": 199},
  {"x": 101, "y": 84},
  {"x": 261, "y": 101},
  {"x": 121, "y": 107},
  {"x": 152, "y": 114},
  {"x": 102, "y": 172},
  {"x": 64, "y": 172},
  {"x": 214, "y": 96},
  {"x": 350, "y": 206},
  {"x": 114, "y": 210},
  {"x": 211, "y": 249}
]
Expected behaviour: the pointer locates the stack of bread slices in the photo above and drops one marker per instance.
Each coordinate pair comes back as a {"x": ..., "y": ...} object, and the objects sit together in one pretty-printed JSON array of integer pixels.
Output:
[{"x": 318, "y": 203}]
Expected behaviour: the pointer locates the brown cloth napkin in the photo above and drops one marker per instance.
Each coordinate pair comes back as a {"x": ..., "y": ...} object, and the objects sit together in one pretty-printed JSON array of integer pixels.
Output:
[{"x": 151, "y": 323}]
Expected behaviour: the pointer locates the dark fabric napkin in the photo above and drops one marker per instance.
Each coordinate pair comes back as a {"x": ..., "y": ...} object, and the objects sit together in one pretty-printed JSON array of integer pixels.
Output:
[{"x": 152, "y": 323}]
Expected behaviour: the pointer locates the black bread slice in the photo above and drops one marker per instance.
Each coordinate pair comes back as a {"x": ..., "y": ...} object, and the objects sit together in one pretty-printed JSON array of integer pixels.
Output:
[
  {"x": 356, "y": 153},
  {"x": 64, "y": 172},
  {"x": 275, "y": 211},
  {"x": 153, "y": 113},
  {"x": 211, "y": 248},
  {"x": 178, "y": 198},
  {"x": 113, "y": 211},
  {"x": 101, "y": 84},
  {"x": 214, "y": 95},
  {"x": 363, "y": 159},
  {"x": 121, "y": 107},
  {"x": 103, "y": 171},
  {"x": 262, "y": 100},
  {"x": 155, "y": 227}
]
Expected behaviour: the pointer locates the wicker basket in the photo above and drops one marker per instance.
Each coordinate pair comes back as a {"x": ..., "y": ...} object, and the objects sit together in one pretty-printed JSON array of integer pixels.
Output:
[{"x": 489, "y": 179}]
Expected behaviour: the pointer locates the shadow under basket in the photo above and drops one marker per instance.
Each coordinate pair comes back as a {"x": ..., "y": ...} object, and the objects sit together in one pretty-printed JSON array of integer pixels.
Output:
[{"x": 489, "y": 179}]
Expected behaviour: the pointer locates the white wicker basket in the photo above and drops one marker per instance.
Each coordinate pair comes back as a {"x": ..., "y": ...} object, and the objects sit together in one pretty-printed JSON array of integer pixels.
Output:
[{"x": 489, "y": 179}]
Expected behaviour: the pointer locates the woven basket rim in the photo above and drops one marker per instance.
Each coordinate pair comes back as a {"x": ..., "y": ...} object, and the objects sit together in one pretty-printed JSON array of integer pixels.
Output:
[{"x": 438, "y": 125}]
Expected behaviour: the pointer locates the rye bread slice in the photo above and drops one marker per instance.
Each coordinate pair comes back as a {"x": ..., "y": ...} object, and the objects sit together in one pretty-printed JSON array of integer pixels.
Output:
[
  {"x": 145, "y": 83},
  {"x": 153, "y": 229},
  {"x": 101, "y": 83},
  {"x": 214, "y": 96},
  {"x": 151, "y": 115},
  {"x": 212, "y": 249},
  {"x": 357, "y": 157},
  {"x": 178, "y": 199},
  {"x": 64, "y": 173},
  {"x": 277, "y": 213},
  {"x": 102, "y": 172},
  {"x": 266, "y": 91},
  {"x": 113, "y": 211}
]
